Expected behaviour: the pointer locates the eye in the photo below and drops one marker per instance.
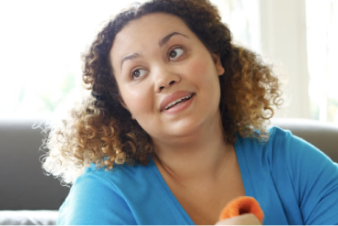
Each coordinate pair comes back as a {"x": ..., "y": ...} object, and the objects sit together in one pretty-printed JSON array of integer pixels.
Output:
[
  {"x": 175, "y": 53},
  {"x": 138, "y": 73}
]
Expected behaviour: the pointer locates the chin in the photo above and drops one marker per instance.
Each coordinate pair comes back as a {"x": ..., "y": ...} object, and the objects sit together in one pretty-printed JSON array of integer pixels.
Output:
[{"x": 183, "y": 129}]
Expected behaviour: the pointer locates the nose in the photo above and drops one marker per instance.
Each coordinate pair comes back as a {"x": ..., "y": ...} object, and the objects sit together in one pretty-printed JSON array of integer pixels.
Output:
[{"x": 165, "y": 78}]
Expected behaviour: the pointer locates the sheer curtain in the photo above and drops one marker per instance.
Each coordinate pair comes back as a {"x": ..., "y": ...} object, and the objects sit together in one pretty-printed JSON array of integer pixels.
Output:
[
  {"x": 300, "y": 37},
  {"x": 242, "y": 17},
  {"x": 283, "y": 40},
  {"x": 322, "y": 46}
]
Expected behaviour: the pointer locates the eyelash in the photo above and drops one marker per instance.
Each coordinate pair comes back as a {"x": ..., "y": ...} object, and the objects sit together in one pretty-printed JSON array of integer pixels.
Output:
[
  {"x": 175, "y": 48},
  {"x": 170, "y": 51},
  {"x": 133, "y": 71}
]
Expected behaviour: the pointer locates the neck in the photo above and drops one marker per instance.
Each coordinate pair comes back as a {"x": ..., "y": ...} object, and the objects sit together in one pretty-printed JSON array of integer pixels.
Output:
[{"x": 203, "y": 155}]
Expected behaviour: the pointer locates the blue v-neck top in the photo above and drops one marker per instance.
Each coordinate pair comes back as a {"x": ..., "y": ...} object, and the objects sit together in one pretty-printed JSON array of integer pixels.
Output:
[{"x": 293, "y": 181}]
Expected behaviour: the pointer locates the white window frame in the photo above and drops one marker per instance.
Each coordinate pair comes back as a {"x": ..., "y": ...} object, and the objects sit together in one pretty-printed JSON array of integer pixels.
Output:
[{"x": 283, "y": 39}]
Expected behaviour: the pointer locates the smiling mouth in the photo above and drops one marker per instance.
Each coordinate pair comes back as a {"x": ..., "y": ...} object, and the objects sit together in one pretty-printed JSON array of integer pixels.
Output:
[{"x": 178, "y": 101}]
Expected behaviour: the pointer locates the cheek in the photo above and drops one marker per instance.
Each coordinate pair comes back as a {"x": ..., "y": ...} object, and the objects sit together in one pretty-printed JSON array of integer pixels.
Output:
[
  {"x": 201, "y": 70},
  {"x": 203, "y": 74},
  {"x": 137, "y": 100},
  {"x": 197, "y": 66}
]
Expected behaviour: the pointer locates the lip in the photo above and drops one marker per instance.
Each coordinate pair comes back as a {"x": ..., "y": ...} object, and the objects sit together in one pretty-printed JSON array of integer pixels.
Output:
[{"x": 172, "y": 97}]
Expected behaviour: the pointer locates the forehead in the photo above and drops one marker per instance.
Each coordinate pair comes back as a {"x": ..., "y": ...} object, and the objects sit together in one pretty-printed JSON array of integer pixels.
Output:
[
  {"x": 151, "y": 25},
  {"x": 147, "y": 30}
]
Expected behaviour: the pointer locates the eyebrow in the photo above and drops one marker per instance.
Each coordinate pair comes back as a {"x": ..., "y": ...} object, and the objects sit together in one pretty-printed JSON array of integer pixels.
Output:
[
  {"x": 162, "y": 42},
  {"x": 130, "y": 57},
  {"x": 166, "y": 38}
]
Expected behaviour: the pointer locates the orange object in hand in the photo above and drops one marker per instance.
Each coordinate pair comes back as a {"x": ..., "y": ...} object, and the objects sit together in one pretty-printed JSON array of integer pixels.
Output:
[{"x": 242, "y": 205}]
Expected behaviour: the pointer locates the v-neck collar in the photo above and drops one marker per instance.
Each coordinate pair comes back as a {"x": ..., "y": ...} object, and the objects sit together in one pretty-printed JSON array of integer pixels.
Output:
[
  {"x": 243, "y": 167},
  {"x": 170, "y": 197},
  {"x": 174, "y": 203}
]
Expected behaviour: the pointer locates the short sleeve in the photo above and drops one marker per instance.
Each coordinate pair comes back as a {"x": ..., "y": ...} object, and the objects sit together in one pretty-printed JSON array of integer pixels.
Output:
[
  {"x": 93, "y": 201},
  {"x": 315, "y": 181}
]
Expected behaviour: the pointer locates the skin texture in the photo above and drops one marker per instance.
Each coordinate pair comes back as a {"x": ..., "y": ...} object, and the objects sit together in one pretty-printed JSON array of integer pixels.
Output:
[
  {"x": 190, "y": 151},
  {"x": 100, "y": 127},
  {"x": 193, "y": 70}
]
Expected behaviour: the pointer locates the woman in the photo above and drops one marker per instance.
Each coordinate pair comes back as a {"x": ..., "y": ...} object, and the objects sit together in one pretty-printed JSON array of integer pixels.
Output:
[{"x": 175, "y": 129}]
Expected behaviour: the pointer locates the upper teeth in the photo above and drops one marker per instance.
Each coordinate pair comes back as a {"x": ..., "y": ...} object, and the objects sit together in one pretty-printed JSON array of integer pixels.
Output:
[{"x": 177, "y": 101}]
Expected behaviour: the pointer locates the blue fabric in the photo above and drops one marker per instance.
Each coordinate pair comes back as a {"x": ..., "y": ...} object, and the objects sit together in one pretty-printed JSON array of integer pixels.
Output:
[{"x": 293, "y": 181}]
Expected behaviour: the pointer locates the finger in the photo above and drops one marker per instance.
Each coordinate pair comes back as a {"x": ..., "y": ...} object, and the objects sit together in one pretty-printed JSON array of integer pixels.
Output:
[{"x": 244, "y": 219}]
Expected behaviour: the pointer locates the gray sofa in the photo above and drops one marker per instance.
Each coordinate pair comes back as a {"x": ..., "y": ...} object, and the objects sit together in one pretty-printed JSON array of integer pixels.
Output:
[
  {"x": 24, "y": 190},
  {"x": 27, "y": 196}
]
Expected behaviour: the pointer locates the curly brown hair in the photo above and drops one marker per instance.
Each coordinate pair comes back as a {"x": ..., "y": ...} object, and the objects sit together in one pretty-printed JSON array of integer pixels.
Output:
[{"x": 101, "y": 131}]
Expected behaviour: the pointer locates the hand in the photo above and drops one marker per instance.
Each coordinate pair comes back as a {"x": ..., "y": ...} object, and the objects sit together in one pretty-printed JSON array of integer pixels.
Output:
[{"x": 244, "y": 219}]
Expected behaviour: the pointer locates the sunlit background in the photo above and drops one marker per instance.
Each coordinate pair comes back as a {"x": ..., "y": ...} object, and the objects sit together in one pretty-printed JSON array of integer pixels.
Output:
[{"x": 41, "y": 44}]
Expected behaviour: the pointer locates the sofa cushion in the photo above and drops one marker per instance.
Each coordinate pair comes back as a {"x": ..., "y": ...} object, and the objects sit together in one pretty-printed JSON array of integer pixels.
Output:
[{"x": 28, "y": 217}]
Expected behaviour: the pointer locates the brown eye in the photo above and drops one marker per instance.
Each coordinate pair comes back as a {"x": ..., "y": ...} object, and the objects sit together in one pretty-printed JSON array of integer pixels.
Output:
[
  {"x": 175, "y": 53},
  {"x": 138, "y": 73}
]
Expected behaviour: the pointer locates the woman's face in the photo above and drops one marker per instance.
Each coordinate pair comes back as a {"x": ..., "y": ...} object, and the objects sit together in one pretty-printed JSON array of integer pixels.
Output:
[{"x": 167, "y": 78}]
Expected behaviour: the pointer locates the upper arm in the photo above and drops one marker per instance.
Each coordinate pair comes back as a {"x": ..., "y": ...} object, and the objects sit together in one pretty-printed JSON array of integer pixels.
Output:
[
  {"x": 93, "y": 200},
  {"x": 315, "y": 179}
]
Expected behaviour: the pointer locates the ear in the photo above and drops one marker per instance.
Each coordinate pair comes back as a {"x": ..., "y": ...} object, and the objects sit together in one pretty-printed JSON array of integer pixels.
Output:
[
  {"x": 218, "y": 64},
  {"x": 122, "y": 103}
]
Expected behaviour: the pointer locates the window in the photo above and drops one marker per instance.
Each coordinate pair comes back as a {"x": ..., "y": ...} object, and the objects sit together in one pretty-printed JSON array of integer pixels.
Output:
[
  {"x": 322, "y": 47},
  {"x": 242, "y": 17},
  {"x": 41, "y": 46},
  {"x": 42, "y": 42}
]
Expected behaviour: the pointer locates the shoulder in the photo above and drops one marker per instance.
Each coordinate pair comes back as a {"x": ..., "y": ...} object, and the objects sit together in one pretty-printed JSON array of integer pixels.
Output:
[
  {"x": 313, "y": 175},
  {"x": 282, "y": 145},
  {"x": 100, "y": 196},
  {"x": 294, "y": 150},
  {"x": 288, "y": 155},
  {"x": 305, "y": 179},
  {"x": 120, "y": 179},
  {"x": 125, "y": 195}
]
